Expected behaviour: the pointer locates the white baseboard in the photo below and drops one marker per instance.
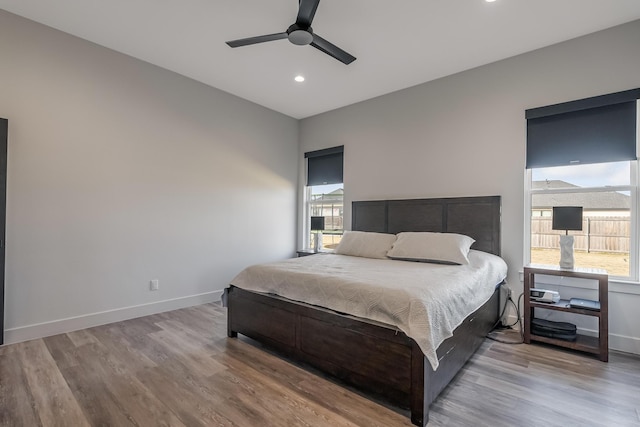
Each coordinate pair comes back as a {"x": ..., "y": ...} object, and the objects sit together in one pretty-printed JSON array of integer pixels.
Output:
[
  {"x": 616, "y": 342},
  {"x": 41, "y": 330},
  {"x": 624, "y": 343}
]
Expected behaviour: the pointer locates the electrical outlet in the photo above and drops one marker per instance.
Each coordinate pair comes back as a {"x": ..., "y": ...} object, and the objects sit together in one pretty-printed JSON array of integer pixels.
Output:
[{"x": 154, "y": 285}]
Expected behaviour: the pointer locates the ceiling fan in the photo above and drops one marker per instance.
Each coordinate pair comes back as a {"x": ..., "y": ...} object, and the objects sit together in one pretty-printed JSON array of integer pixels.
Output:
[{"x": 301, "y": 34}]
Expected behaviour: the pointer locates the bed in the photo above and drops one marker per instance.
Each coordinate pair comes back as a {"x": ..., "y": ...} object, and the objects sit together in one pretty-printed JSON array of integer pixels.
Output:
[{"x": 389, "y": 364}]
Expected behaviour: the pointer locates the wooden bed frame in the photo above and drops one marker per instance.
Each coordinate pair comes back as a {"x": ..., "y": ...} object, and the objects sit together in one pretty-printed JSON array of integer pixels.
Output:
[{"x": 369, "y": 355}]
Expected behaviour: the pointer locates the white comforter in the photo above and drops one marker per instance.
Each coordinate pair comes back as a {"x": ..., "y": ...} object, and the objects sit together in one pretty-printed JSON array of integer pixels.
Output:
[{"x": 425, "y": 301}]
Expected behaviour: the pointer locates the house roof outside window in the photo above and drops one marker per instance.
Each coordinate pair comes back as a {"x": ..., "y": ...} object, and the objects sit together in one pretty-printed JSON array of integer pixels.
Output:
[{"x": 595, "y": 201}]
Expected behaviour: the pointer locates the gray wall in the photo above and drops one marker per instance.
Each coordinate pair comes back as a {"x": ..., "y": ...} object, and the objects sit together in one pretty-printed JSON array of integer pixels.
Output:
[
  {"x": 465, "y": 135},
  {"x": 121, "y": 172}
]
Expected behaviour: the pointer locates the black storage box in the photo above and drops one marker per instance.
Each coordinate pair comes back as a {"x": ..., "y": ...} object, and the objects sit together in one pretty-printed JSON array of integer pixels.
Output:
[{"x": 560, "y": 330}]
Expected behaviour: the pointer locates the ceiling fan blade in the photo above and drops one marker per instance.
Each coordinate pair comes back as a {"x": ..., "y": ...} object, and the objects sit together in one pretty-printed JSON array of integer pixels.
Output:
[
  {"x": 306, "y": 12},
  {"x": 258, "y": 39},
  {"x": 331, "y": 49}
]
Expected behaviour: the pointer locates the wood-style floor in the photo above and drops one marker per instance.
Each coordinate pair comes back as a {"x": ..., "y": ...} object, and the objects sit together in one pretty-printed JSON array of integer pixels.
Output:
[{"x": 180, "y": 369}]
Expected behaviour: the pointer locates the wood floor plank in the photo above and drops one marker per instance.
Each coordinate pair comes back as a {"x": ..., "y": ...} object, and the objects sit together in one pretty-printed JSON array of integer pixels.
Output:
[
  {"x": 242, "y": 356},
  {"x": 54, "y": 402},
  {"x": 141, "y": 405},
  {"x": 137, "y": 327},
  {"x": 156, "y": 351},
  {"x": 185, "y": 333},
  {"x": 179, "y": 369},
  {"x": 62, "y": 349},
  {"x": 350, "y": 405},
  {"x": 201, "y": 320},
  {"x": 543, "y": 386},
  {"x": 99, "y": 405},
  {"x": 135, "y": 400},
  {"x": 6, "y": 349},
  {"x": 251, "y": 388},
  {"x": 178, "y": 340},
  {"x": 17, "y": 406},
  {"x": 81, "y": 337},
  {"x": 123, "y": 358},
  {"x": 190, "y": 400}
]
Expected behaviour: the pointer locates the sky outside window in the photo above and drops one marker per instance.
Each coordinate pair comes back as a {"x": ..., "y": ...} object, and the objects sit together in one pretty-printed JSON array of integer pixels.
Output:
[{"x": 592, "y": 175}]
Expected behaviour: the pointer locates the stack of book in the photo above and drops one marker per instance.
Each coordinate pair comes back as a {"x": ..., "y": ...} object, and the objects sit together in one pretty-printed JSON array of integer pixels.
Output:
[{"x": 587, "y": 304}]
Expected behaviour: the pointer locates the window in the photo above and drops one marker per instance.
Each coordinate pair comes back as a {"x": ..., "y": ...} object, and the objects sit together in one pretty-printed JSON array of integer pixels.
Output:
[
  {"x": 583, "y": 153},
  {"x": 606, "y": 192},
  {"x": 324, "y": 195},
  {"x": 326, "y": 201}
]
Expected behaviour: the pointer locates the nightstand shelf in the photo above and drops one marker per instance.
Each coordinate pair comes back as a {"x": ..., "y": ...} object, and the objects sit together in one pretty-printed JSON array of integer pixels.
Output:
[
  {"x": 595, "y": 345},
  {"x": 582, "y": 343},
  {"x": 563, "y": 305}
]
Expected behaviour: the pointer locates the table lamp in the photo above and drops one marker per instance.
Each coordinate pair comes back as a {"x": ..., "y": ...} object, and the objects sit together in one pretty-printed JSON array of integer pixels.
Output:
[
  {"x": 567, "y": 218},
  {"x": 317, "y": 225}
]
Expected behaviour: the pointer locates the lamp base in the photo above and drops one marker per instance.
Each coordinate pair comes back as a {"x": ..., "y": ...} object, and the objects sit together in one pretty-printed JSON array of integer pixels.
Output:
[
  {"x": 317, "y": 247},
  {"x": 566, "y": 252}
]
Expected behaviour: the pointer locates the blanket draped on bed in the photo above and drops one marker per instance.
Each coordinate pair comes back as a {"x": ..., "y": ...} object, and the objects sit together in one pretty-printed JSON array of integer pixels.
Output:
[{"x": 425, "y": 301}]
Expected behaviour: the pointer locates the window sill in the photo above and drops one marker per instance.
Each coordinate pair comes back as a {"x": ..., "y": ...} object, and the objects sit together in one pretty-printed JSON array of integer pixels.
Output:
[{"x": 615, "y": 285}]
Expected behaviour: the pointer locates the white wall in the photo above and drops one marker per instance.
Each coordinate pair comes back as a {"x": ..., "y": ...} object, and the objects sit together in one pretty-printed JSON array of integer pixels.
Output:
[
  {"x": 120, "y": 172},
  {"x": 465, "y": 135}
]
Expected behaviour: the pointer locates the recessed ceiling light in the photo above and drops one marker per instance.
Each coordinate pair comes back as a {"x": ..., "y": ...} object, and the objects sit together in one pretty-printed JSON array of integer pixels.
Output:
[
  {"x": 489, "y": 1},
  {"x": 299, "y": 78}
]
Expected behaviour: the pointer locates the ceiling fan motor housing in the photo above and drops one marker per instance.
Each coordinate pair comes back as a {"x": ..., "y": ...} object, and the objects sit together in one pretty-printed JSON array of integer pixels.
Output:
[{"x": 299, "y": 35}]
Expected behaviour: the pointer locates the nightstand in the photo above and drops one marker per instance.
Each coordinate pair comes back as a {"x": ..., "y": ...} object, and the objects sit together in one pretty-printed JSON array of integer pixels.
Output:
[
  {"x": 595, "y": 345},
  {"x": 306, "y": 252}
]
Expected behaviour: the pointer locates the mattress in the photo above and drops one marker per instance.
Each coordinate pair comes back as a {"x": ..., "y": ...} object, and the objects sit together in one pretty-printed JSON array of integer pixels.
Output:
[{"x": 425, "y": 301}]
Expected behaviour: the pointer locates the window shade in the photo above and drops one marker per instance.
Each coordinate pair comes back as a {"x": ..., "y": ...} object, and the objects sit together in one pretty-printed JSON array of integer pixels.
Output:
[
  {"x": 593, "y": 130},
  {"x": 325, "y": 166}
]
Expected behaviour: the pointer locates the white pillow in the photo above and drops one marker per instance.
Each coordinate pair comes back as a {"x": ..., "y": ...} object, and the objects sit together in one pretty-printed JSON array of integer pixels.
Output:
[
  {"x": 365, "y": 244},
  {"x": 446, "y": 248}
]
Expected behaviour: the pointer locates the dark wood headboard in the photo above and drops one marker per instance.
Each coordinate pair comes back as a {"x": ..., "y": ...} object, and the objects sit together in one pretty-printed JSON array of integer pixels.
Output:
[{"x": 476, "y": 217}]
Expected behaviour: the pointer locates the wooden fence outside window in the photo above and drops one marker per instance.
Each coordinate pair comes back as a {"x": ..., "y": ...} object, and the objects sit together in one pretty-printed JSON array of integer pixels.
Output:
[{"x": 599, "y": 234}]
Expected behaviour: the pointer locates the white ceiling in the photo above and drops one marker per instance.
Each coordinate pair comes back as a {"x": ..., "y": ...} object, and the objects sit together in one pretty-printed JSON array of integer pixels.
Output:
[{"x": 397, "y": 43}]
